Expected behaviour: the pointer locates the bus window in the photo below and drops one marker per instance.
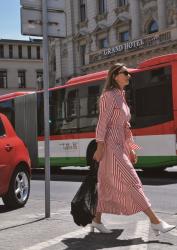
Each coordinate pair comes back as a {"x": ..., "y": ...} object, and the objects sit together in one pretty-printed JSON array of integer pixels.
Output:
[
  {"x": 68, "y": 107},
  {"x": 130, "y": 101},
  {"x": 63, "y": 118},
  {"x": 88, "y": 113},
  {"x": 71, "y": 105},
  {"x": 152, "y": 93},
  {"x": 57, "y": 114},
  {"x": 92, "y": 102}
]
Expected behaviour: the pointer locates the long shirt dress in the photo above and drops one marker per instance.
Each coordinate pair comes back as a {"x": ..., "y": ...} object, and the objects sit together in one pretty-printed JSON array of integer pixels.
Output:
[{"x": 119, "y": 188}]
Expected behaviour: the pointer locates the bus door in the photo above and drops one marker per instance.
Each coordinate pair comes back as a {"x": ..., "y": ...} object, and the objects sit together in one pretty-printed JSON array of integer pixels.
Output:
[
  {"x": 64, "y": 144},
  {"x": 88, "y": 118},
  {"x": 70, "y": 144}
]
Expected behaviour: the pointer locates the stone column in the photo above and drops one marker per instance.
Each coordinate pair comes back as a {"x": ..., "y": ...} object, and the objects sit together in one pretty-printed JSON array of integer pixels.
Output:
[
  {"x": 135, "y": 17},
  {"x": 162, "y": 14}
]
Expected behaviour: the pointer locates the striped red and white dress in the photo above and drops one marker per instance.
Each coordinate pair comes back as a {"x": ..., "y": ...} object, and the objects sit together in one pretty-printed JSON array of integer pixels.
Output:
[{"x": 120, "y": 190}]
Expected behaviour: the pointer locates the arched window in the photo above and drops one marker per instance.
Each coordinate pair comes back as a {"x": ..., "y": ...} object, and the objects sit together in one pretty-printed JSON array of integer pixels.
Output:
[{"x": 153, "y": 27}]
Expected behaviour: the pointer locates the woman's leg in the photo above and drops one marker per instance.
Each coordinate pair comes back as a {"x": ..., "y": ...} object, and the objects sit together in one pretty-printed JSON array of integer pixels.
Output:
[
  {"x": 152, "y": 216},
  {"x": 149, "y": 212},
  {"x": 97, "y": 218},
  {"x": 96, "y": 223},
  {"x": 156, "y": 224}
]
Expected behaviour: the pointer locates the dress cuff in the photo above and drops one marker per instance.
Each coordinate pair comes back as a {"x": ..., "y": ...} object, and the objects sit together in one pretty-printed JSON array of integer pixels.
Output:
[
  {"x": 99, "y": 140},
  {"x": 134, "y": 146}
]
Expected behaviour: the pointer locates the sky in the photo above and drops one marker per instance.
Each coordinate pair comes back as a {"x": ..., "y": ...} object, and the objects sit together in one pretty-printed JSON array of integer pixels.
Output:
[{"x": 10, "y": 23}]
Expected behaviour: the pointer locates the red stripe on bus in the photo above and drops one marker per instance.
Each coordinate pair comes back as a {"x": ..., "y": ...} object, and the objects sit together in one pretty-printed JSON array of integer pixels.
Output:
[
  {"x": 160, "y": 129},
  {"x": 69, "y": 136},
  {"x": 10, "y": 96}
]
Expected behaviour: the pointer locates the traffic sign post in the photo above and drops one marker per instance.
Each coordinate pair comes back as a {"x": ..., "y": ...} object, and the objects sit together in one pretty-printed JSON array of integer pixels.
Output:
[
  {"x": 46, "y": 108},
  {"x": 44, "y": 18}
]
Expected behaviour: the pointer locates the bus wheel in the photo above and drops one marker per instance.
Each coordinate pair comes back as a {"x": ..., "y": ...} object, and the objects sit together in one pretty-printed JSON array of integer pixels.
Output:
[{"x": 90, "y": 152}]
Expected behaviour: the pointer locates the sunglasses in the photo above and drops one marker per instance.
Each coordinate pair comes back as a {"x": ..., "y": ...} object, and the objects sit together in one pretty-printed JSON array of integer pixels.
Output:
[{"x": 126, "y": 73}]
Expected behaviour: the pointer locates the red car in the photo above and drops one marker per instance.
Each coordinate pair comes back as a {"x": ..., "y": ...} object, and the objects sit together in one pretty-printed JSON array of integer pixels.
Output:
[{"x": 15, "y": 166}]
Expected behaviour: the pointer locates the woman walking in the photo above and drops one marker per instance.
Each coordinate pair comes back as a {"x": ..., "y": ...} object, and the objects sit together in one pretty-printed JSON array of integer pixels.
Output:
[{"x": 120, "y": 190}]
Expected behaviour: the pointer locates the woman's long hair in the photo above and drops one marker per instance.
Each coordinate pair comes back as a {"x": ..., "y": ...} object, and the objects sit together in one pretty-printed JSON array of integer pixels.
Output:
[{"x": 110, "y": 81}]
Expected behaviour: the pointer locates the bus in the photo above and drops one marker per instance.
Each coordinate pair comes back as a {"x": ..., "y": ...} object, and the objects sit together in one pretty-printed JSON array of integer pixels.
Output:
[{"x": 151, "y": 96}]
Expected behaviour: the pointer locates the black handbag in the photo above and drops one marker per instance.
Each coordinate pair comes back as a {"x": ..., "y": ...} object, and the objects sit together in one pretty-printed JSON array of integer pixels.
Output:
[{"x": 84, "y": 203}]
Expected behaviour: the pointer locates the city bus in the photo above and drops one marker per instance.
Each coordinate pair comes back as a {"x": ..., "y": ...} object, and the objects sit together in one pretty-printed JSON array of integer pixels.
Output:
[{"x": 151, "y": 96}]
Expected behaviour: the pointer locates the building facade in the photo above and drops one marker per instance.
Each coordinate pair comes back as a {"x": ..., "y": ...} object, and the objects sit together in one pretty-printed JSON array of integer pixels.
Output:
[
  {"x": 20, "y": 65},
  {"x": 102, "y": 32}
]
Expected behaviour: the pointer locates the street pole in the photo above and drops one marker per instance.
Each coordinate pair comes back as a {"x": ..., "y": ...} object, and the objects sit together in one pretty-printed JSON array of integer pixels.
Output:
[
  {"x": 46, "y": 106},
  {"x": 35, "y": 24}
]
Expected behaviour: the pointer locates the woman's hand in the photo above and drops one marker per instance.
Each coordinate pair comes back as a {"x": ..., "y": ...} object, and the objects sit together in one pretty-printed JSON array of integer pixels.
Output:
[
  {"x": 133, "y": 157},
  {"x": 99, "y": 152}
]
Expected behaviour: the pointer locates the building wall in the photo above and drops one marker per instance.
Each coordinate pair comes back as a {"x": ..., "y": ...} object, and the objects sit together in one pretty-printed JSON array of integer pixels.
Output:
[
  {"x": 15, "y": 64},
  {"x": 135, "y": 17},
  {"x": 13, "y": 67}
]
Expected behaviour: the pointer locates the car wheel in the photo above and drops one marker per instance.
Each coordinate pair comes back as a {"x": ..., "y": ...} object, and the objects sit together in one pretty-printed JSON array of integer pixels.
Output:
[{"x": 19, "y": 189}]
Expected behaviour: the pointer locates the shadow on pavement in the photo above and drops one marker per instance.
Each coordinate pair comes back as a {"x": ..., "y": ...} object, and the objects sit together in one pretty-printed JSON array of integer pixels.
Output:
[
  {"x": 95, "y": 241},
  {"x": 155, "y": 178},
  {"x": 61, "y": 175},
  {"x": 4, "y": 209}
]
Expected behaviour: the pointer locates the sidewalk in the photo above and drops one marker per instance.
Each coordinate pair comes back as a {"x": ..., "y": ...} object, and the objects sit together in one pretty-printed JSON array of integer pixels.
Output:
[{"x": 27, "y": 229}]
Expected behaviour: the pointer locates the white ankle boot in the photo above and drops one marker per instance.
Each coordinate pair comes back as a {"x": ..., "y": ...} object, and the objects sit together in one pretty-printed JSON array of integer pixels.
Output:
[
  {"x": 162, "y": 227},
  {"x": 100, "y": 227}
]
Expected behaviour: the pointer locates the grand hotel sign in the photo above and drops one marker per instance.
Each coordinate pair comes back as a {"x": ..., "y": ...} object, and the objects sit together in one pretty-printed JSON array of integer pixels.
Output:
[
  {"x": 148, "y": 41},
  {"x": 124, "y": 47}
]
